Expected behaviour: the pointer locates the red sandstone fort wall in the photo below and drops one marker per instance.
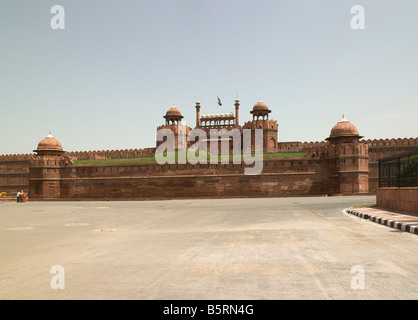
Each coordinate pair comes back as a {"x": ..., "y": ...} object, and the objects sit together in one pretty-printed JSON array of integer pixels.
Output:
[
  {"x": 14, "y": 173},
  {"x": 326, "y": 169},
  {"x": 382, "y": 148},
  {"x": 378, "y": 149},
  {"x": 112, "y": 154},
  {"x": 153, "y": 181},
  {"x": 209, "y": 186},
  {"x": 402, "y": 199}
]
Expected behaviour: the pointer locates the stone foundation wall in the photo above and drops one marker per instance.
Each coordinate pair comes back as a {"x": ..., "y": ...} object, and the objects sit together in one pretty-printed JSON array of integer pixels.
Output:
[
  {"x": 14, "y": 174},
  {"x": 325, "y": 170},
  {"x": 402, "y": 199},
  {"x": 177, "y": 187},
  {"x": 56, "y": 180},
  {"x": 150, "y": 181}
]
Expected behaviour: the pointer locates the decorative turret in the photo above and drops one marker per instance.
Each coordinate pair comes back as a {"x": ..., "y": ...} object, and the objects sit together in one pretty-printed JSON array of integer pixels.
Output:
[
  {"x": 344, "y": 132},
  {"x": 260, "y": 109},
  {"x": 261, "y": 120},
  {"x": 45, "y": 169},
  {"x": 173, "y": 116},
  {"x": 49, "y": 146},
  {"x": 173, "y": 122},
  {"x": 351, "y": 156}
]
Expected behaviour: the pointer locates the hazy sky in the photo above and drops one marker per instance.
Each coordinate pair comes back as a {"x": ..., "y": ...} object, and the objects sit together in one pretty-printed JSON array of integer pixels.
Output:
[{"x": 106, "y": 81}]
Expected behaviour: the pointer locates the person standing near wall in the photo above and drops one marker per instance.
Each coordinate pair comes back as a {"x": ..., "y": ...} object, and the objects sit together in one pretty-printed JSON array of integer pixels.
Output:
[{"x": 18, "y": 196}]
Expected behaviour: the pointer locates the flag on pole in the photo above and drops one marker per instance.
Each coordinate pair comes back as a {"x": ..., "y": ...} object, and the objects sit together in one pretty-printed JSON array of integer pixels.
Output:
[{"x": 219, "y": 102}]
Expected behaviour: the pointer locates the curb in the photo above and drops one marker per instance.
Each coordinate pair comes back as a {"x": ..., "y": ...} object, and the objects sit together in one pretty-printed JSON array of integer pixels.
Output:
[{"x": 406, "y": 227}]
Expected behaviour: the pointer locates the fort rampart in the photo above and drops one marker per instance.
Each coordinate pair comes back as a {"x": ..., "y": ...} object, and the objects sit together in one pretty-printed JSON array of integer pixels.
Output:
[
  {"x": 327, "y": 169},
  {"x": 112, "y": 154},
  {"x": 378, "y": 149},
  {"x": 14, "y": 172},
  {"x": 154, "y": 181}
]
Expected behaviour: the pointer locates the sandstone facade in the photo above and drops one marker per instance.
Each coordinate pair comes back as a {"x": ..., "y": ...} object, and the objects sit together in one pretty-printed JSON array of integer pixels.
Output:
[{"x": 344, "y": 164}]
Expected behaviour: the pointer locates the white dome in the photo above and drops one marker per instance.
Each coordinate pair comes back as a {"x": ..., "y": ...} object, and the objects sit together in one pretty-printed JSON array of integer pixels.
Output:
[
  {"x": 203, "y": 116},
  {"x": 222, "y": 115},
  {"x": 212, "y": 115},
  {"x": 217, "y": 115}
]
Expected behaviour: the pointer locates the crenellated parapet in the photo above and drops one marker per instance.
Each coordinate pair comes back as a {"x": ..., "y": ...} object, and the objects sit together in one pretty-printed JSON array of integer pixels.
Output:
[
  {"x": 111, "y": 154},
  {"x": 56, "y": 161},
  {"x": 378, "y": 143},
  {"x": 314, "y": 144},
  {"x": 298, "y": 146},
  {"x": 179, "y": 131},
  {"x": 382, "y": 148},
  {"x": 17, "y": 157},
  {"x": 261, "y": 124},
  {"x": 174, "y": 127}
]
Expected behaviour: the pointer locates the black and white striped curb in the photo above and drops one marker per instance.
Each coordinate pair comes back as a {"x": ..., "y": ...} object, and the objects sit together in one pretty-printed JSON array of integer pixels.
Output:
[{"x": 406, "y": 227}]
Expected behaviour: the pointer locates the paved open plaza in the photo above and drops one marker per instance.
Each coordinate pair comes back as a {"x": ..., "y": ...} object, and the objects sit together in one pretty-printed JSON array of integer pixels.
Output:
[{"x": 270, "y": 248}]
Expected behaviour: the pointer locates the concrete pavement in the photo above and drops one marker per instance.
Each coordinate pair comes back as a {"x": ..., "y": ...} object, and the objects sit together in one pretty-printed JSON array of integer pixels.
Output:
[{"x": 275, "y": 248}]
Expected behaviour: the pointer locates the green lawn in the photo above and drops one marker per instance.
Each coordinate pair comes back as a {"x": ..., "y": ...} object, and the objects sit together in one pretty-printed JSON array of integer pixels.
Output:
[
  {"x": 279, "y": 155},
  {"x": 284, "y": 155}
]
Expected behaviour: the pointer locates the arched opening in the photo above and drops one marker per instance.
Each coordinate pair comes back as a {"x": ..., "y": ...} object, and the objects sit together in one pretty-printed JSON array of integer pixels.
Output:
[{"x": 272, "y": 143}]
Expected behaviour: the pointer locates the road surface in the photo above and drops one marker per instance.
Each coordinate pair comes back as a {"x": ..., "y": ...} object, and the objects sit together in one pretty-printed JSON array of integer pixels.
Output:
[{"x": 270, "y": 248}]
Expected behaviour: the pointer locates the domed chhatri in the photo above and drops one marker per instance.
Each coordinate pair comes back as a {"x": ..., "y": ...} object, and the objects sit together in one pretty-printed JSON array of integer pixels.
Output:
[
  {"x": 344, "y": 131},
  {"x": 260, "y": 111},
  {"x": 173, "y": 116},
  {"x": 49, "y": 146},
  {"x": 173, "y": 111},
  {"x": 261, "y": 106}
]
